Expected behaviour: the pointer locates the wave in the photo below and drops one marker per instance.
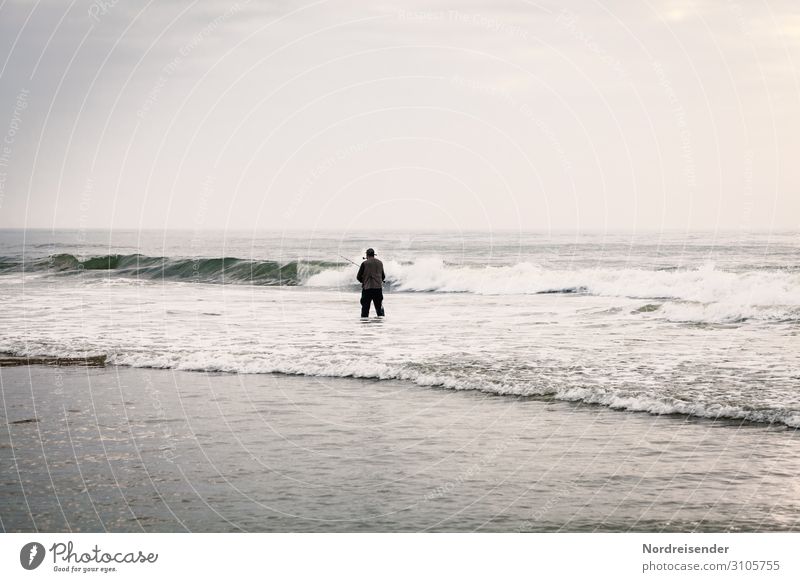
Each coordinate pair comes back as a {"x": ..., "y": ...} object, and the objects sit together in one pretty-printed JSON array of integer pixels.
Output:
[
  {"x": 191, "y": 269},
  {"x": 728, "y": 312},
  {"x": 568, "y": 389},
  {"x": 703, "y": 294},
  {"x": 703, "y": 284}
]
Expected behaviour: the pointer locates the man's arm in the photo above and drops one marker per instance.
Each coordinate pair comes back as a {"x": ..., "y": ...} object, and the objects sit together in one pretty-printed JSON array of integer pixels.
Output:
[
  {"x": 383, "y": 275},
  {"x": 360, "y": 275}
]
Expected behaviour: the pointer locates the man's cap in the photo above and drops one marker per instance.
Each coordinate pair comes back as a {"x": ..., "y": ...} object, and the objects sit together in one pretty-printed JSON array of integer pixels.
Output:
[{"x": 370, "y": 252}]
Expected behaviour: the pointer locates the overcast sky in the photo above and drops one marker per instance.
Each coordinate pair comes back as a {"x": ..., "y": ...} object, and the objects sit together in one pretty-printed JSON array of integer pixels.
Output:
[{"x": 487, "y": 114}]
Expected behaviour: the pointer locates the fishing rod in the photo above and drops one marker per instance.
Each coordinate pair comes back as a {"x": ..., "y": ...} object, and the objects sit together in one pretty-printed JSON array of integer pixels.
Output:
[{"x": 348, "y": 260}]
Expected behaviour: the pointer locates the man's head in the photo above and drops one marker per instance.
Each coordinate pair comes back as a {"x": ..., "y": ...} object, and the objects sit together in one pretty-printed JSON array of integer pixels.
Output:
[{"x": 370, "y": 252}]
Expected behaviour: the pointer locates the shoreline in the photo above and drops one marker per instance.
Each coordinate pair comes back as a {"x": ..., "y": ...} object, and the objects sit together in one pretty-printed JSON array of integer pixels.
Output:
[
  {"x": 143, "y": 449},
  {"x": 100, "y": 361},
  {"x": 10, "y": 360}
]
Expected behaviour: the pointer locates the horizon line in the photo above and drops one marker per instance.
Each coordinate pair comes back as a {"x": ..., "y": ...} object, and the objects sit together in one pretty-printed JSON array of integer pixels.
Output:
[{"x": 571, "y": 230}]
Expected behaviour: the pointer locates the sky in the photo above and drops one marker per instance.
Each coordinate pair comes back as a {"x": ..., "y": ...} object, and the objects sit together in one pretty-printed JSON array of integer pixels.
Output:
[{"x": 420, "y": 115}]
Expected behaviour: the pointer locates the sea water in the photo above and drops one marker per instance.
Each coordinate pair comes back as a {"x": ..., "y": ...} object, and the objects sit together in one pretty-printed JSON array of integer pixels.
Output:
[{"x": 697, "y": 324}]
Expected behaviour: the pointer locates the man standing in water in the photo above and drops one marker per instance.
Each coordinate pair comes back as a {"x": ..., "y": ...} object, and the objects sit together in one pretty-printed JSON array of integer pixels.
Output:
[{"x": 371, "y": 277}]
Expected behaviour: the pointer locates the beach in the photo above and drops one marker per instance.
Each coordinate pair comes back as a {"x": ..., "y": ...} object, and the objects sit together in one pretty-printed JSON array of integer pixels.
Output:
[{"x": 134, "y": 449}]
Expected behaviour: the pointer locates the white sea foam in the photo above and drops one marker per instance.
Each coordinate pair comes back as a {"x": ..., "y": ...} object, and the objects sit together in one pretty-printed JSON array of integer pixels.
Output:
[
  {"x": 562, "y": 386},
  {"x": 706, "y": 294},
  {"x": 727, "y": 312},
  {"x": 705, "y": 284},
  {"x": 344, "y": 368}
]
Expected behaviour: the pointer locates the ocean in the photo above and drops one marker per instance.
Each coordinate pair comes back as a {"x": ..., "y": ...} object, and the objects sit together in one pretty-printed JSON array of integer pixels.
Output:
[
  {"x": 519, "y": 382},
  {"x": 700, "y": 324}
]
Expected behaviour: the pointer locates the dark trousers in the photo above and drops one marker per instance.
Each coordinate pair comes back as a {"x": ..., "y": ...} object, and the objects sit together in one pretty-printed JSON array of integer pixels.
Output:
[{"x": 375, "y": 296}]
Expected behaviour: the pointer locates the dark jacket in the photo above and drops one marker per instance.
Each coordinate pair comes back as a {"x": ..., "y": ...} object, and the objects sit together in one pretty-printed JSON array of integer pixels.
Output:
[{"x": 370, "y": 274}]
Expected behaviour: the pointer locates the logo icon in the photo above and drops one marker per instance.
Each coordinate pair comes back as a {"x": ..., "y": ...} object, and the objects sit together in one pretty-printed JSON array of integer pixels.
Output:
[{"x": 31, "y": 555}]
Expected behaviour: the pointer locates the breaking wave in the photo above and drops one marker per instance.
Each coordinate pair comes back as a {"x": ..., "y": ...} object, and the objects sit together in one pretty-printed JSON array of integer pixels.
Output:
[
  {"x": 704, "y": 294},
  {"x": 191, "y": 269},
  {"x": 566, "y": 388}
]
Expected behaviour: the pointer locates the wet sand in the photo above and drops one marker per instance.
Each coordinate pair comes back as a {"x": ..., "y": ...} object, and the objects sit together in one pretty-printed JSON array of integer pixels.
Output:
[{"x": 125, "y": 449}]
